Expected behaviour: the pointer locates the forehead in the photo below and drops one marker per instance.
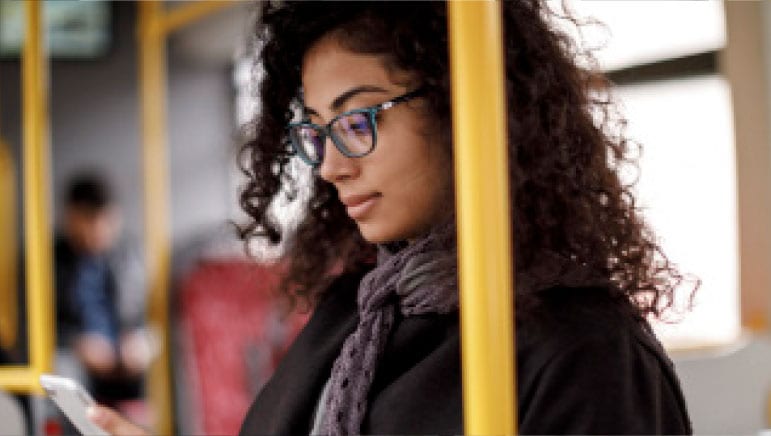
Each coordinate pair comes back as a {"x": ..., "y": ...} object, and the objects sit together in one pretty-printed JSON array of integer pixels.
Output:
[{"x": 329, "y": 69}]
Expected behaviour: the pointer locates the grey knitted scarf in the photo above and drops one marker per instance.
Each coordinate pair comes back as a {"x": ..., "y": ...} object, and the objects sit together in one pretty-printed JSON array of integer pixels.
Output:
[{"x": 418, "y": 279}]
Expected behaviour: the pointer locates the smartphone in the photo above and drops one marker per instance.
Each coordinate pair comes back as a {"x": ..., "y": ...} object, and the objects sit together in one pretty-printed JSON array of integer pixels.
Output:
[{"x": 73, "y": 400}]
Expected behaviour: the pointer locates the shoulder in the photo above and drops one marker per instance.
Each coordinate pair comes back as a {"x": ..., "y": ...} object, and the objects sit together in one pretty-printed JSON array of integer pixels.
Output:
[
  {"x": 339, "y": 297},
  {"x": 588, "y": 364},
  {"x": 285, "y": 405},
  {"x": 333, "y": 318},
  {"x": 563, "y": 316},
  {"x": 584, "y": 323}
]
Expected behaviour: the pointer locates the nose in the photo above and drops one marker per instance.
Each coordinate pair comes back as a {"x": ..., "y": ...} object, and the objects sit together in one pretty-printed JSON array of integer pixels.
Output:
[{"x": 336, "y": 167}]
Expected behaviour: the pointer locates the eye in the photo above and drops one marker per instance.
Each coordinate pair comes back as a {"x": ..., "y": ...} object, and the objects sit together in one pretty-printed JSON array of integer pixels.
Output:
[
  {"x": 356, "y": 124},
  {"x": 360, "y": 127}
]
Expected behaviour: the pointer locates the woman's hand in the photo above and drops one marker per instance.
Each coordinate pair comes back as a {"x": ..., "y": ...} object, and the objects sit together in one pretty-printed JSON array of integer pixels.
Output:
[{"x": 113, "y": 423}]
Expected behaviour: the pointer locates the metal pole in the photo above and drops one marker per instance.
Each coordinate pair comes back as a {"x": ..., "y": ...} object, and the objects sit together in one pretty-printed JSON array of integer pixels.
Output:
[
  {"x": 155, "y": 24},
  {"x": 9, "y": 304},
  {"x": 191, "y": 12},
  {"x": 36, "y": 164},
  {"x": 152, "y": 80},
  {"x": 482, "y": 186},
  {"x": 9, "y": 301}
]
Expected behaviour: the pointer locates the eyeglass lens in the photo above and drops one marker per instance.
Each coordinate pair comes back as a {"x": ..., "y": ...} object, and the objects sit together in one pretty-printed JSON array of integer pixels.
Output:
[{"x": 353, "y": 134}]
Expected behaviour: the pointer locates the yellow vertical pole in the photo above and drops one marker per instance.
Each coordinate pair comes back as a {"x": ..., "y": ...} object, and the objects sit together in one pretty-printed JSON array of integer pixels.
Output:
[
  {"x": 482, "y": 186},
  {"x": 152, "y": 79},
  {"x": 9, "y": 302},
  {"x": 36, "y": 161},
  {"x": 9, "y": 316}
]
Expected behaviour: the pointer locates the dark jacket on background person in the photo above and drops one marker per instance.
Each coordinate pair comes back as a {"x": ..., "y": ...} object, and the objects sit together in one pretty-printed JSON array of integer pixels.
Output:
[
  {"x": 104, "y": 295},
  {"x": 584, "y": 366},
  {"x": 124, "y": 286}
]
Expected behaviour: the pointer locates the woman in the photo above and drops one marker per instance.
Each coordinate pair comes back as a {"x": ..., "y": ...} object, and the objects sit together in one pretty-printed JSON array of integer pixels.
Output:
[{"x": 360, "y": 92}]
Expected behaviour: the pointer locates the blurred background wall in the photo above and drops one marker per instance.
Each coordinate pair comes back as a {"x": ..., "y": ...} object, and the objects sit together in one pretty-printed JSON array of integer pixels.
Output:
[{"x": 94, "y": 106}]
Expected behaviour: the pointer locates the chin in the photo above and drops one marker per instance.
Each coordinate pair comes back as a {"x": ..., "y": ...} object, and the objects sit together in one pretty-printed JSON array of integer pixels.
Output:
[
  {"x": 379, "y": 234},
  {"x": 383, "y": 233}
]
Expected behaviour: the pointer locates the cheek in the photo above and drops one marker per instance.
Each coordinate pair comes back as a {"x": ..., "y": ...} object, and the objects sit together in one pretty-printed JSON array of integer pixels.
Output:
[
  {"x": 420, "y": 191},
  {"x": 433, "y": 192}
]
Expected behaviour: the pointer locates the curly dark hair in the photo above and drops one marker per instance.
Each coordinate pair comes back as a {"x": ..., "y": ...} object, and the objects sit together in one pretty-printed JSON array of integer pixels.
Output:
[{"x": 566, "y": 145}]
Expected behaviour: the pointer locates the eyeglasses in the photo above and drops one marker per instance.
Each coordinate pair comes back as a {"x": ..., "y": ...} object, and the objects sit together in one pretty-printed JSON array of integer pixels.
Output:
[{"x": 354, "y": 133}]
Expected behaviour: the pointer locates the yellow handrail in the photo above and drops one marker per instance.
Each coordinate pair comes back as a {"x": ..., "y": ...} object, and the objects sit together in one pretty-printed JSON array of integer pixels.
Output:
[
  {"x": 152, "y": 77},
  {"x": 482, "y": 186},
  {"x": 181, "y": 16},
  {"x": 37, "y": 228},
  {"x": 22, "y": 379},
  {"x": 155, "y": 23},
  {"x": 36, "y": 161},
  {"x": 9, "y": 302}
]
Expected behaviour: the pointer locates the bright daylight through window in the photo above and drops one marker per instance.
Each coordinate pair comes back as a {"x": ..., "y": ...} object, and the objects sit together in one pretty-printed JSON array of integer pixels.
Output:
[{"x": 687, "y": 185}]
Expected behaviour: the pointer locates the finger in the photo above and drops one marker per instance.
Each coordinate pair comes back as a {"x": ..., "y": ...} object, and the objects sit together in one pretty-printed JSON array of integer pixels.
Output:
[{"x": 113, "y": 423}]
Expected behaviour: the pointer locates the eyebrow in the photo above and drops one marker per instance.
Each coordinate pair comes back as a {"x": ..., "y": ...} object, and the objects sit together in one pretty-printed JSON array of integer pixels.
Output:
[{"x": 338, "y": 102}]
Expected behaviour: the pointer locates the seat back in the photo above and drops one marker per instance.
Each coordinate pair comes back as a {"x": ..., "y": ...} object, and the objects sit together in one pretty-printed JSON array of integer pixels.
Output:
[
  {"x": 11, "y": 415},
  {"x": 231, "y": 336}
]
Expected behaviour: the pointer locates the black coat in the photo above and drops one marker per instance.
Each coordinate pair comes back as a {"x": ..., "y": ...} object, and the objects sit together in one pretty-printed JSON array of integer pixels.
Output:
[{"x": 583, "y": 366}]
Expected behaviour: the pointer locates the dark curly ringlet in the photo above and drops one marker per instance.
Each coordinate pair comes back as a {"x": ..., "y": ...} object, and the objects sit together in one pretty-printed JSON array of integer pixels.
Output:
[{"x": 566, "y": 145}]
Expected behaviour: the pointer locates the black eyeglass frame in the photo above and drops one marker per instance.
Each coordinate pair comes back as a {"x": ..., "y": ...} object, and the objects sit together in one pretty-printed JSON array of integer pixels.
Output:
[{"x": 326, "y": 130}]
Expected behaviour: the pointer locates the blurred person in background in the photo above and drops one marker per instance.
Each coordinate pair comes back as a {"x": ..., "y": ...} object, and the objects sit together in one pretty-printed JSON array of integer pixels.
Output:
[{"x": 100, "y": 296}]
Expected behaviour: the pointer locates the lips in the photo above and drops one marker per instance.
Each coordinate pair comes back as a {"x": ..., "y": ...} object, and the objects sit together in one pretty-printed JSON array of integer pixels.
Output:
[{"x": 358, "y": 206}]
